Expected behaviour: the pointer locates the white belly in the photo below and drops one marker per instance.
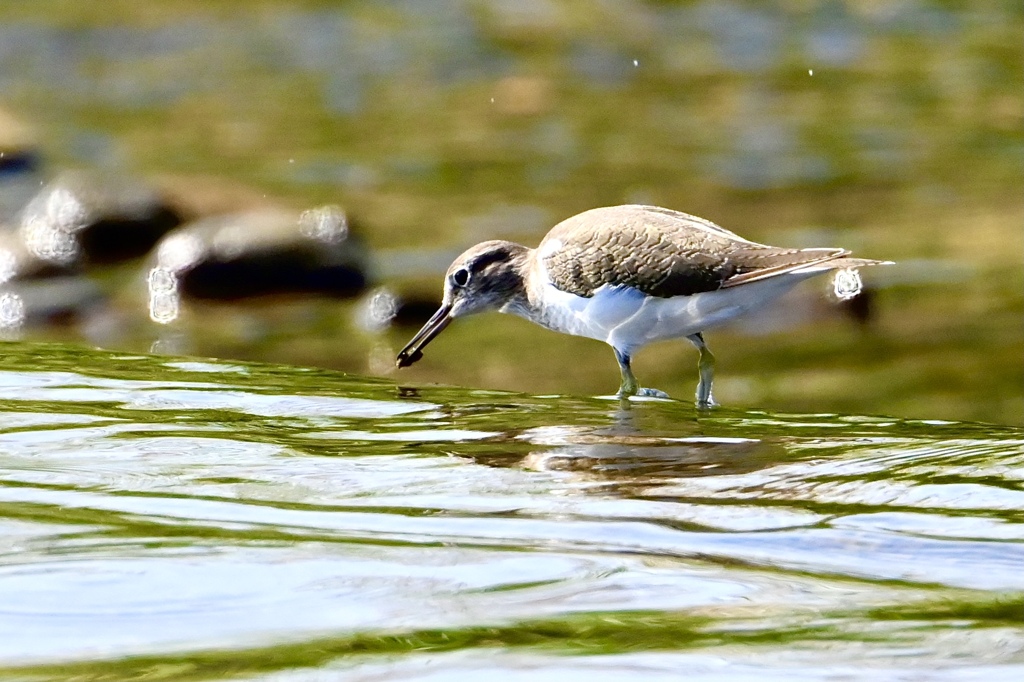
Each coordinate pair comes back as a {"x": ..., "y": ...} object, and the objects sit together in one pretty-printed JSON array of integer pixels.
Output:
[{"x": 626, "y": 319}]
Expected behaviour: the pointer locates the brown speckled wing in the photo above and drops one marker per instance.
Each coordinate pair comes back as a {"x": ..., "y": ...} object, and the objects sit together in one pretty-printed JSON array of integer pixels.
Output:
[{"x": 660, "y": 252}]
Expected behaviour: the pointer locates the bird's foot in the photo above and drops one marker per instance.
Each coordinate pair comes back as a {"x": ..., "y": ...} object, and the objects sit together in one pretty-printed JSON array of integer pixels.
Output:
[
  {"x": 641, "y": 393},
  {"x": 706, "y": 403},
  {"x": 651, "y": 393}
]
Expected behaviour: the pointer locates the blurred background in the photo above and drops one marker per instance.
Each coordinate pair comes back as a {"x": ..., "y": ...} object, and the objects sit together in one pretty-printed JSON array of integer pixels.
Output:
[{"x": 288, "y": 180}]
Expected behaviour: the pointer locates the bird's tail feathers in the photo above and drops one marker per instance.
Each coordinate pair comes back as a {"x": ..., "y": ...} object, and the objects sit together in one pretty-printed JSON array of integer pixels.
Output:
[{"x": 829, "y": 259}]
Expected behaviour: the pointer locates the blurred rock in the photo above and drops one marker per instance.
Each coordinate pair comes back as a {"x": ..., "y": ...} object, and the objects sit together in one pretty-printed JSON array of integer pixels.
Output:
[
  {"x": 259, "y": 253},
  {"x": 18, "y": 146},
  {"x": 414, "y": 311},
  {"x": 94, "y": 219},
  {"x": 20, "y": 159},
  {"x": 17, "y": 262},
  {"x": 34, "y": 289},
  {"x": 50, "y": 300}
]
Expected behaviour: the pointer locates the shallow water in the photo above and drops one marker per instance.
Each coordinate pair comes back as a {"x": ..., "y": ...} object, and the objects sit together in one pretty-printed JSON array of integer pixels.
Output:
[{"x": 182, "y": 519}]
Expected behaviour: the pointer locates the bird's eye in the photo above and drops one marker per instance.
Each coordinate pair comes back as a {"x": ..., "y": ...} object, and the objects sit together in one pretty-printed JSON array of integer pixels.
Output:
[{"x": 460, "y": 277}]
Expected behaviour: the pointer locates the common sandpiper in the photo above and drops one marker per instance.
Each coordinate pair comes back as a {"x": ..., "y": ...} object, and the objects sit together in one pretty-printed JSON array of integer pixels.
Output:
[{"x": 628, "y": 275}]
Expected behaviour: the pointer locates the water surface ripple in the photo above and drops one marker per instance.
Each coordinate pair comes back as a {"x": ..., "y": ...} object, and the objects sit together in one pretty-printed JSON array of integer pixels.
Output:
[{"x": 199, "y": 520}]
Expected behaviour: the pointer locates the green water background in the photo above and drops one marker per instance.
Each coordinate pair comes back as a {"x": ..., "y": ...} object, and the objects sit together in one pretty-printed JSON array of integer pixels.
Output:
[
  {"x": 896, "y": 130},
  {"x": 854, "y": 511}
]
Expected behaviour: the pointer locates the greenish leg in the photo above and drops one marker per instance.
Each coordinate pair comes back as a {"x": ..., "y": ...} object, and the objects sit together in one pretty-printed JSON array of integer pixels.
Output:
[
  {"x": 629, "y": 386},
  {"x": 706, "y": 367}
]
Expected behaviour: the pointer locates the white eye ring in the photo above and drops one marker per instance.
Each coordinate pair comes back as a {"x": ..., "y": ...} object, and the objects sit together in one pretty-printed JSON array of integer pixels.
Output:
[{"x": 460, "y": 277}]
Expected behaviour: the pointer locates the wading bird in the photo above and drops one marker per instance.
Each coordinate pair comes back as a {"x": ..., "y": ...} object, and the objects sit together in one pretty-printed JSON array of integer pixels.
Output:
[{"x": 628, "y": 275}]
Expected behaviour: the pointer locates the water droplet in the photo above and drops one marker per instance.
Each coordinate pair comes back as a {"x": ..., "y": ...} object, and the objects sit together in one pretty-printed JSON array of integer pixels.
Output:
[
  {"x": 327, "y": 224},
  {"x": 847, "y": 284},
  {"x": 376, "y": 311},
  {"x": 164, "y": 301},
  {"x": 12, "y": 311},
  {"x": 47, "y": 241}
]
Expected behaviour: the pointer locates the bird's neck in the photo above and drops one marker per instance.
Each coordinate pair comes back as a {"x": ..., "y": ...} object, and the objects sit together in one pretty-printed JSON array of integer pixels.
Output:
[{"x": 527, "y": 300}]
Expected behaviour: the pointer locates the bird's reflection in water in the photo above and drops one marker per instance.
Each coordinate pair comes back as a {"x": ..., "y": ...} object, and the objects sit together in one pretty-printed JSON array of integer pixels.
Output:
[{"x": 626, "y": 460}]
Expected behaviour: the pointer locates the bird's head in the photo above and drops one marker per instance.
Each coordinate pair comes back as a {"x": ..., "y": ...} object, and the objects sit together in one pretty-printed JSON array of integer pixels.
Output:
[{"x": 485, "y": 277}]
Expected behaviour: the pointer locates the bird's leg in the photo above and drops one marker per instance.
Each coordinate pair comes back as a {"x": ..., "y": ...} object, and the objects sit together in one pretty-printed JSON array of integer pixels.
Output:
[
  {"x": 630, "y": 386},
  {"x": 629, "y": 383},
  {"x": 706, "y": 367}
]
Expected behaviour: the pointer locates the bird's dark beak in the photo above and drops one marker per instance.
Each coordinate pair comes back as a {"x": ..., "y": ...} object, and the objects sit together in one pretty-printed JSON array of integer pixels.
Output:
[{"x": 413, "y": 350}]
